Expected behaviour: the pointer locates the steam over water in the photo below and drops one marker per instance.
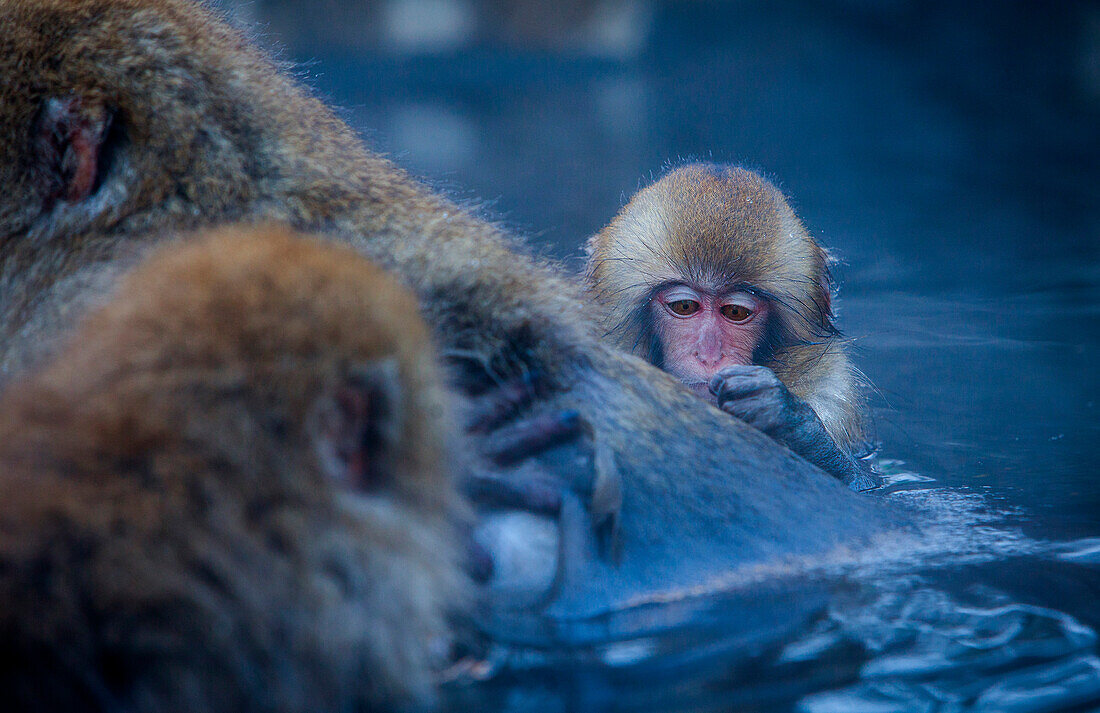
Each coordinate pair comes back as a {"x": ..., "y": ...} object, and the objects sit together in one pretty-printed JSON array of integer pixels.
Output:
[{"x": 949, "y": 156}]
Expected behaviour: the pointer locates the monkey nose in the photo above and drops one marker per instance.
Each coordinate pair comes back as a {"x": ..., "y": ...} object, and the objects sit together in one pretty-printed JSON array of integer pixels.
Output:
[{"x": 708, "y": 360}]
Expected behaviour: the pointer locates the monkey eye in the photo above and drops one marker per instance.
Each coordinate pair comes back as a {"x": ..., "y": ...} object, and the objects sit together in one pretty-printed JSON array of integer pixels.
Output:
[
  {"x": 736, "y": 313},
  {"x": 683, "y": 308}
]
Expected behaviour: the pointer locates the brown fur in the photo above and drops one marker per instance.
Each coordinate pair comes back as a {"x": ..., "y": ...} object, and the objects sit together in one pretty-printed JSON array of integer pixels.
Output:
[
  {"x": 719, "y": 226},
  {"x": 168, "y": 540},
  {"x": 206, "y": 130}
]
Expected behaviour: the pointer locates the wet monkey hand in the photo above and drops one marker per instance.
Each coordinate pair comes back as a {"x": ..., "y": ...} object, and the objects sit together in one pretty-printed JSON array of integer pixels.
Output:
[{"x": 755, "y": 395}]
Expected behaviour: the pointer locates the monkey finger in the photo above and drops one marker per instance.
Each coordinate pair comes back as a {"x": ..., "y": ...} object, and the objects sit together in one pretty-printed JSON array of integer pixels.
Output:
[
  {"x": 761, "y": 414},
  {"x": 524, "y": 491},
  {"x": 745, "y": 372},
  {"x": 488, "y": 411},
  {"x": 741, "y": 370},
  {"x": 763, "y": 383},
  {"x": 739, "y": 389},
  {"x": 745, "y": 410},
  {"x": 749, "y": 372},
  {"x": 518, "y": 441}
]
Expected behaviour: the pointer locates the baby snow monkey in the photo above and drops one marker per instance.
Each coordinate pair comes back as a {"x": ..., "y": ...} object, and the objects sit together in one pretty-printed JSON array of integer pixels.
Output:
[{"x": 709, "y": 275}]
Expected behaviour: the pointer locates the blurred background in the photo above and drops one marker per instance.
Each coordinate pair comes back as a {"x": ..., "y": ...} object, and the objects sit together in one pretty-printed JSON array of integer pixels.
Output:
[{"x": 947, "y": 152}]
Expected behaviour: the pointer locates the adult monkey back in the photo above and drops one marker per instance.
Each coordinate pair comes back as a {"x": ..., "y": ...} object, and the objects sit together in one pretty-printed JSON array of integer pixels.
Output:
[{"x": 122, "y": 120}]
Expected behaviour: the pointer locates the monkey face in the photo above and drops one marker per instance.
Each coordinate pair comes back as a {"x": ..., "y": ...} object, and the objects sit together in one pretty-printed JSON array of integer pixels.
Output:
[{"x": 702, "y": 331}]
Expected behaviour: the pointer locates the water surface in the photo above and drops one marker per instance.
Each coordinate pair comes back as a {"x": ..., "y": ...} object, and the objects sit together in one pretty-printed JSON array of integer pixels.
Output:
[{"x": 950, "y": 158}]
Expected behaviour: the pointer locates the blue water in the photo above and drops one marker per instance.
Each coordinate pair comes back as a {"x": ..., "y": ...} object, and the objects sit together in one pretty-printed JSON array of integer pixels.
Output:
[{"x": 949, "y": 156}]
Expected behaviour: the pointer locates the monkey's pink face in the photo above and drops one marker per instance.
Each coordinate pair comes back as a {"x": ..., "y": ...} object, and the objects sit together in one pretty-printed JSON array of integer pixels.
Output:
[{"x": 703, "y": 332}]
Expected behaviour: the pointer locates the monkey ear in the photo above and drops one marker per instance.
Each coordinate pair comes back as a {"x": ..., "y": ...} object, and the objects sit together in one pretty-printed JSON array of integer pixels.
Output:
[
  {"x": 69, "y": 135},
  {"x": 357, "y": 429}
]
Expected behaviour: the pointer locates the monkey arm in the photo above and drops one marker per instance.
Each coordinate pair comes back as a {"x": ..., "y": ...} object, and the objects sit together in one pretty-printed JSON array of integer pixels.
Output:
[{"x": 755, "y": 395}]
